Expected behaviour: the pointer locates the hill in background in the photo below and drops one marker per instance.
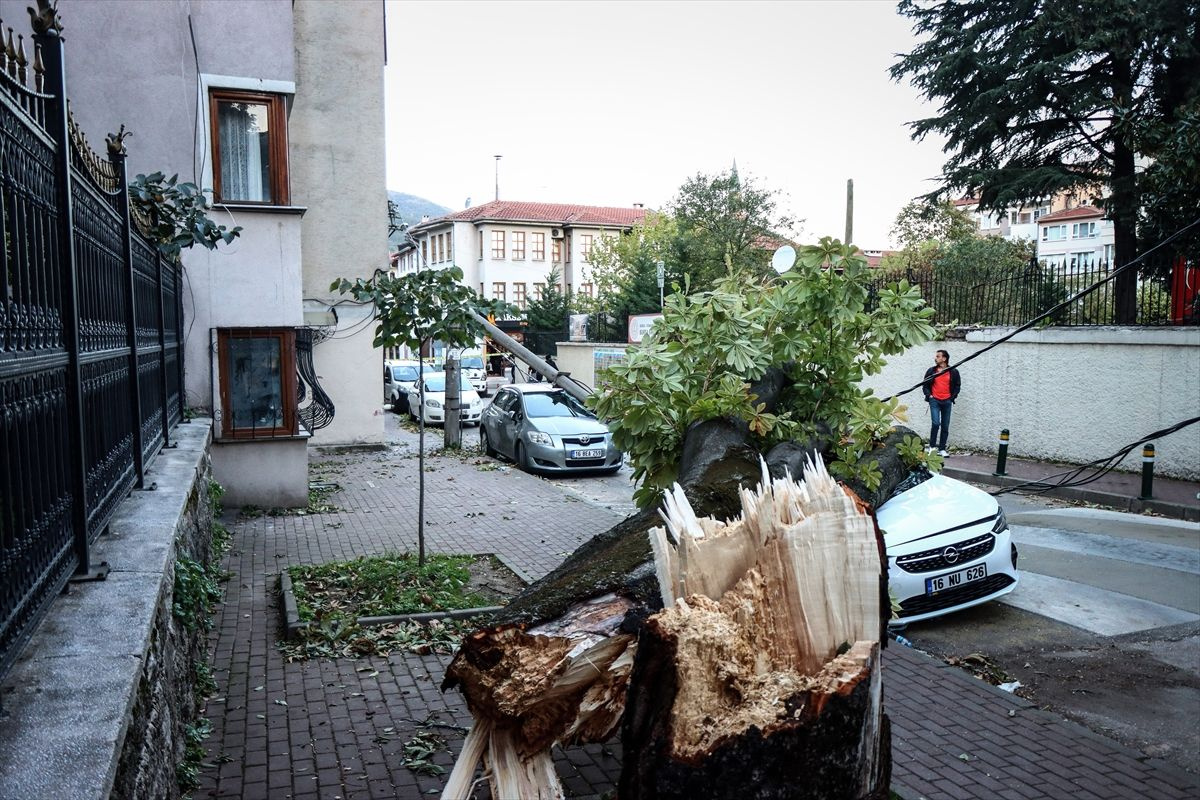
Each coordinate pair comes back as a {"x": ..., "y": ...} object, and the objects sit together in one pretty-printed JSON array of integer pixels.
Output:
[{"x": 411, "y": 208}]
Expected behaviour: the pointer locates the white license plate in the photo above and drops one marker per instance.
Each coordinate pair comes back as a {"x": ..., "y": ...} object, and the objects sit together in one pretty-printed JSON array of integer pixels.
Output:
[
  {"x": 595, "y": 453},
  {"x": 955, "y": 579}
]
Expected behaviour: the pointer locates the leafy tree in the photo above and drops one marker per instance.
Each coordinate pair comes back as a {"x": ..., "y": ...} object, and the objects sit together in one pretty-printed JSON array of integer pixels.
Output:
[
  {"x": 923, "y": 221},
  {"x": 1036, "y": 96},
  {"x": 624, "y": 269},
  {"x": 1170, "y": 183},
  {"x": 177, "y": 214},
  {"x": 710, "y": 346},
  {"x": 414, "y": 310},
  {"x": 722, "y": 221}
]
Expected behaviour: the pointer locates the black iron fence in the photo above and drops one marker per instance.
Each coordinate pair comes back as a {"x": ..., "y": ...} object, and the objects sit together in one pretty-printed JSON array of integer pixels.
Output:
[
  {"x": 91, "y": 368},
  {"x": 1166, "y": 292}
]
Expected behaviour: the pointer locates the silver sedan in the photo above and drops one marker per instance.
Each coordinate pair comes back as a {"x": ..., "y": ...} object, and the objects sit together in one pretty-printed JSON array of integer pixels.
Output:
[{"x": 544, "y": 429}]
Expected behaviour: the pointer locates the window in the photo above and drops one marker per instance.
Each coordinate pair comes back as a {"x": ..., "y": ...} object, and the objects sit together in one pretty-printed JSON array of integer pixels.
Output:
[
  {"x": 497, "y": 244},
  {"x": 519, "y": 295},
  {"x": 585, "y": 289},
  {"x": 1083, "y": 230},
  {"x": 537, "y": 244},
  {"x": 1083, "y": 260},
  {"x": 518, "y": 240},
  {"x": 450, "y": 246},
  {"x": 258, "y": 382},
  {"x": 1108, "y": 254},
  {"x": 539, "y": 291},
  {"x": 557, "y": 252},
  {"x": 498, "y": 290},
  {"x": 424, "y": 251},
  {"x": 249, "y": 132},
  {"x": 585, "y": 247},
  {"x": 1054, "y": 233},
  {"x": 481, "y": 246}
]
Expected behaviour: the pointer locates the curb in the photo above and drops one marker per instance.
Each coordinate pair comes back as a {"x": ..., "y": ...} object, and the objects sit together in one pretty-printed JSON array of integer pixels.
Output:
[
  {"x": 1134, "y": 505},
  {"x": 294, "y": 626}
]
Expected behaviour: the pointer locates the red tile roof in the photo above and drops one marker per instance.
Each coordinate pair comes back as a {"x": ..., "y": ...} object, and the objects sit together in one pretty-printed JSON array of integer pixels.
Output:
[
  {"x": 1079, "y": 212},
  {"x": 966, "y": 201},
  {"x": 553, "y": 213}
]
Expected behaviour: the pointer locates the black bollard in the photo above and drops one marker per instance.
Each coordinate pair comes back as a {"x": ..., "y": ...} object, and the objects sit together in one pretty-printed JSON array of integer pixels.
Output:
[
  {"x": 1147, "y": 472},
  {"x": 1002, "y": 452}
]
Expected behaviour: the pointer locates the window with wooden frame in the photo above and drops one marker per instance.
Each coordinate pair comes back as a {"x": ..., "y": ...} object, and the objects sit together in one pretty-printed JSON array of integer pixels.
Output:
[
  {"x": 557, "y": 251},
  {"x": 537, "y": 246},
  {"x": 481, "y": 247},
  {"x": 585, "y": 289},
  {"x": 450, "y": 246},
  {"x": 539, "y": 291},
  {"x": 424, "y": 251},
  {"x": 585, "y": 247},
  {"x": 258, "y": 382},
  {"x": 518, "y": 250},
  {"x": 498, "y": 244},
  {"x": 249, "y": 147},
  {"x": 519, "y": 295},
  {"x": 498, "y": 290}
]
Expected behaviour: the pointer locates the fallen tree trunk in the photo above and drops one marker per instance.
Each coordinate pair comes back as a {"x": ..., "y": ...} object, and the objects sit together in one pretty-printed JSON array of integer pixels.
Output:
[
  {"x": 544, "y": 672},
  {"x": 761, "y": 676}
]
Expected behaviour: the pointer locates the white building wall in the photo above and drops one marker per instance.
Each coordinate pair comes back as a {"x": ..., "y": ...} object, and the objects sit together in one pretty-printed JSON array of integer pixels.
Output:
[
  {"x": 1067, "y": 395},
  {"x": 337, "y": 172}
]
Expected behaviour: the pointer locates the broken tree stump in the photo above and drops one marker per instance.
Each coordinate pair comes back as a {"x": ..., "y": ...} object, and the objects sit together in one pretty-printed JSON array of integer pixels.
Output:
[{"x": 761, "y": 676}]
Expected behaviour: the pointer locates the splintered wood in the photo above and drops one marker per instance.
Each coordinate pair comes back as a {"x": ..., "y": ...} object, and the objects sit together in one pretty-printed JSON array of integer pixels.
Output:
[
  {"x": 759, "y": 678},
  {"x": 764, "y": 663}
]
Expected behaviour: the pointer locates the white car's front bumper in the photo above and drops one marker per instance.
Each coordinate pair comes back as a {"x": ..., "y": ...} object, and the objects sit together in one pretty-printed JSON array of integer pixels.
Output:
[{"x": 911, "y": 568}]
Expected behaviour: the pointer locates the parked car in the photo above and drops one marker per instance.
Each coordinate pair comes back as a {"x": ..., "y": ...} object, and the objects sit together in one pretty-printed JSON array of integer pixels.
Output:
[
  {"x": 948, "y": 548},
  {"x": 544, "y": 429},
  {"x": 472, "y": 367},
  {"x": 434, "y": 408},
  {"x": 399, "y": 377}
]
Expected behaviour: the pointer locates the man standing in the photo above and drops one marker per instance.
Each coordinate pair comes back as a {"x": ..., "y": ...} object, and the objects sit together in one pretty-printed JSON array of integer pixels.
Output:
[{"x": 941, "y": 386}]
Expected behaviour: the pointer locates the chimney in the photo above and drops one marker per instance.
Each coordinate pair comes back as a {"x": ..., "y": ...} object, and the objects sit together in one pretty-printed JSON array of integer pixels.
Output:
[
  {"x": 639, "y": 205},
  {"x": 424, "y": 218}
]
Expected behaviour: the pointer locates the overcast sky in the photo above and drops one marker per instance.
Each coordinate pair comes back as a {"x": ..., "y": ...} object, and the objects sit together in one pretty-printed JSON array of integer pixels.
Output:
[{"x": 615, "y": 103}]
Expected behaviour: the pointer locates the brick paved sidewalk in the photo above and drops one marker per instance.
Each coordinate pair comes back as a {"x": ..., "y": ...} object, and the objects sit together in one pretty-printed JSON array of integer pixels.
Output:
[{"x": 335, "y": 729}]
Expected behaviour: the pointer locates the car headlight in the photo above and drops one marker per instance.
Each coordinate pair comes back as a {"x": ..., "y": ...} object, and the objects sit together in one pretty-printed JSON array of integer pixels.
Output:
[
  {"x": 1001, "y": 522},
  {"x": 537, "y": 437},
  {"x": 429, "y": 401}
]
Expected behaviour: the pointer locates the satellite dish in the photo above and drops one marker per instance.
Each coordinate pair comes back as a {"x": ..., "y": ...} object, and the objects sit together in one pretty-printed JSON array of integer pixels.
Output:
[{"x": 784, "y": 259}]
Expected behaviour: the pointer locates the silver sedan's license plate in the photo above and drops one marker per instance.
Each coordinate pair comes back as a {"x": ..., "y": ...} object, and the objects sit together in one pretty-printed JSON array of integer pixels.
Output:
[
  {"x": 955, "y": 579},
  {"x": 594, "y": 453}
]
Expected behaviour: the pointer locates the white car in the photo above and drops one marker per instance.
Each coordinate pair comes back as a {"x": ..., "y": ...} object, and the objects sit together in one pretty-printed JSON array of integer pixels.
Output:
[
  {"x": 433, "y": 410},
  {"x": 472, "y": 367},
  {"x": 948, "y": 548},
  {"x": 399, "y": 378}
]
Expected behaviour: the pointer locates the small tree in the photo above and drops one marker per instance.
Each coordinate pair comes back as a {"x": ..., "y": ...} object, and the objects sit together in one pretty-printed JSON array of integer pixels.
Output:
[
  {"x": 414, "y": 310},
  {"x": 549, "y": 312},
  {"x": 710, "y": 346},
  {"x": 624, "y": 269}
]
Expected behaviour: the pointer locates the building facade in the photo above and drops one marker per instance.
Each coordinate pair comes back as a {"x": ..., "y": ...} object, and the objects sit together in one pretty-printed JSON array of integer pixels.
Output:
[
  {"x": 254, "y": 102},
  {"x": 1075, "y": 238},
  {"x": 507, "y": 248}
]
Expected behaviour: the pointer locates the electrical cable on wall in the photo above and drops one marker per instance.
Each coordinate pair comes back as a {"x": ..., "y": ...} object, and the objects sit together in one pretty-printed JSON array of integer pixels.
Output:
[{"x": 1103, "y": 465}]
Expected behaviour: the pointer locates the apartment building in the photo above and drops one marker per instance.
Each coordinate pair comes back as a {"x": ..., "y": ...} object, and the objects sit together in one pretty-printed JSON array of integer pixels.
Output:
[
  {"x": 506, "y": 248},
  {"x": 1075, "y": 238}
]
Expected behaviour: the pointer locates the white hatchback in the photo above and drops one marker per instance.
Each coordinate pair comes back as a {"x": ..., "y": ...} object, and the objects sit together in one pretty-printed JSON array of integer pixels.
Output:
[
  {"x": 433, "y": 408},
  {"x": 948, "y": 548}
]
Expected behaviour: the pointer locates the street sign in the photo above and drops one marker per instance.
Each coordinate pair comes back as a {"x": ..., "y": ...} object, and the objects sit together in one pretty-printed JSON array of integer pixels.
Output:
[{"x": 662, "y": 273}]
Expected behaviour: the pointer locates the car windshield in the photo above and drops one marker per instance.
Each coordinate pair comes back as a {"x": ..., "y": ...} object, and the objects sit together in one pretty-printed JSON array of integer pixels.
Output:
[
  {"x": 472, "y": 362},
  {"x": 554, "y": 404},
  {"x": 404, "y": 373},
  {"x": 437, "y": 383}
]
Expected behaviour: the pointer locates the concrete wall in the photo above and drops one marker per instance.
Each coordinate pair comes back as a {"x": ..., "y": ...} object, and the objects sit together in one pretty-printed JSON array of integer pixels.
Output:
[
  {"x": 96, "y": 705},
  {"x": 337, "y": 170},
  {"x": 1071, "y": 395},
  {"x": 265, "y": 473}
]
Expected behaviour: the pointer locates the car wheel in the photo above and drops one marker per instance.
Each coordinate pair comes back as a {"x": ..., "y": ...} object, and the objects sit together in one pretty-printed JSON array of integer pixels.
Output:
[
  {"x": 485, "y": 444},
  {"x": 521, "y": 457}
]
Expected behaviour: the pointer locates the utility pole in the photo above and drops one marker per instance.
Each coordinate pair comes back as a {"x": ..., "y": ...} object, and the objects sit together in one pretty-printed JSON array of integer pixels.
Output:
[
  {"x": 849, "y": 210},
  {"x": 498, "y": 176}
]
